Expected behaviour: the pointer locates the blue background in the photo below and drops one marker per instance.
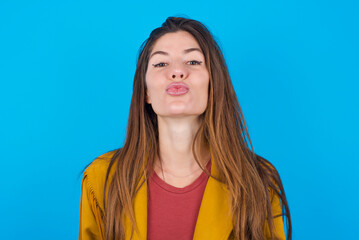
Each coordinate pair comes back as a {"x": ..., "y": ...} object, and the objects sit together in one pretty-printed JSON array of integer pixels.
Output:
[{"x": 66, "y": 70}]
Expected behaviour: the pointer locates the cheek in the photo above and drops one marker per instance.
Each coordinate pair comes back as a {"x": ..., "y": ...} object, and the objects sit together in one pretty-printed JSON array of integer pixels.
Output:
[
  {"x": 206, "y": 88},
  {"x": 148, "y": 88},
  {"x": 204, "y": 83},
  {"x": 152, "y": 87},
  {"x": 202, "y": 87}
]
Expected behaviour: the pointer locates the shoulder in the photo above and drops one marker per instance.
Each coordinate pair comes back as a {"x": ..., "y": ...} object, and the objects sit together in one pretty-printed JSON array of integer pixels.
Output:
[
  {"x": 264, "y": 163},
  {"x": 269, "y": 175},
  {"x": 99, "y": 166},
  {"x": 95, "y": 176},
  {"x": 273, "y": 183},
  {"x": 267, "y": 170}
]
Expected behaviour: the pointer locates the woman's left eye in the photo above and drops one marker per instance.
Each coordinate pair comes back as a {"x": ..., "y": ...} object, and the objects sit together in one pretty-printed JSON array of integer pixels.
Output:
[
  {"x": 194, "y": 62},
  {"x": 158, "y": 65}
]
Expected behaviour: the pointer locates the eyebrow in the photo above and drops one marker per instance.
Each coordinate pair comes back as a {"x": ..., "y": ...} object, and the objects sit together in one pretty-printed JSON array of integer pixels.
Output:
[{"x": 185, "y": 51}]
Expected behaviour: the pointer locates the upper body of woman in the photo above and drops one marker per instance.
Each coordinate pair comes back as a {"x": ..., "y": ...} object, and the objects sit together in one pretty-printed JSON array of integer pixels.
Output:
[{"x": 187, "y": 169}]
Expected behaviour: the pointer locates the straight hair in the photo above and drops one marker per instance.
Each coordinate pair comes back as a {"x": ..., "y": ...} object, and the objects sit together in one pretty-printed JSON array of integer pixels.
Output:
[{"x": 251, "y": 180}]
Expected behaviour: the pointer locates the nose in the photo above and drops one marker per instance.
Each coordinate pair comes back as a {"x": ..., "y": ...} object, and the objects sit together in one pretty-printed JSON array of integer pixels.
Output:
[
  {"x": 178, "y": 72},
  {"x": 177, "y": 75}
]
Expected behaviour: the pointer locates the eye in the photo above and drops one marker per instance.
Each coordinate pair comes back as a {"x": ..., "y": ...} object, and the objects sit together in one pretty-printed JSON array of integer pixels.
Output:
[
  {"x": 161, "y": 64},
  {"x": 194, "y": 62}
]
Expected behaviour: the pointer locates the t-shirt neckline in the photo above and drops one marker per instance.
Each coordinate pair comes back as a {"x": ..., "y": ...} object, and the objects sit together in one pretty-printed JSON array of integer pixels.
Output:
[{"x": 167, "y": 187}]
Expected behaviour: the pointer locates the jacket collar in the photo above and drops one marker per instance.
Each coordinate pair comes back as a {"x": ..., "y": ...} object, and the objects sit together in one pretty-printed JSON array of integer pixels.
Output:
[{"x": 214, "y": 219}]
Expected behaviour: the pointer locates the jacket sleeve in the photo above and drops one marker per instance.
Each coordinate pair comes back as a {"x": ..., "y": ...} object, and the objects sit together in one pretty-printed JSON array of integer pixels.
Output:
[
  {"x": 91, "y": 226},
  {"x": 278, "y": 219}
]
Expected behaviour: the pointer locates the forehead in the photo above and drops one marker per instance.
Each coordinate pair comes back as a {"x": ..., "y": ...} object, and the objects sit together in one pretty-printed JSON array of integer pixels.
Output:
[{"x": 176, "y": 41}]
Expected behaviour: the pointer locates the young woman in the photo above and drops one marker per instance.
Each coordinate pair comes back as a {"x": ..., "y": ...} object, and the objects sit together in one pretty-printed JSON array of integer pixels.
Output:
[{"x": 187, "y": 169}]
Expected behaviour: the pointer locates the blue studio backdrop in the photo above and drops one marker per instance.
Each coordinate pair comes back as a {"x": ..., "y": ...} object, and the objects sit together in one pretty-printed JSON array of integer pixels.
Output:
[{"x": 66, "y": 71}]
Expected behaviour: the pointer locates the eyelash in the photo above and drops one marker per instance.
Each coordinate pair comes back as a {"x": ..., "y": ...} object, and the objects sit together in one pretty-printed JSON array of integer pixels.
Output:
[{"x": 162, "y": 64}]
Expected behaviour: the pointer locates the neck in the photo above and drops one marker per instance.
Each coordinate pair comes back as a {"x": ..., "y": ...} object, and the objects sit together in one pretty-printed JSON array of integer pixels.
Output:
[{"x": 176, "y": 136}]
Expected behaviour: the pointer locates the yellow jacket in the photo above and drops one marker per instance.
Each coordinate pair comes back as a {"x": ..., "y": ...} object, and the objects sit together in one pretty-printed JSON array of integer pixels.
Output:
[{"x": 214, "y": 220}]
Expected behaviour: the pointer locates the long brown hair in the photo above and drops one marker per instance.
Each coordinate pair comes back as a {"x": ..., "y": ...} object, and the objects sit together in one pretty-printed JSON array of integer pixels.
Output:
[{"x": 249, "y": 178}]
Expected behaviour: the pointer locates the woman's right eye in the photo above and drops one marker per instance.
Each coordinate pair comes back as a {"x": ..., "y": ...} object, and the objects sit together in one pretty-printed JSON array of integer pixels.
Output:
[{"x": 161, "y": 64}]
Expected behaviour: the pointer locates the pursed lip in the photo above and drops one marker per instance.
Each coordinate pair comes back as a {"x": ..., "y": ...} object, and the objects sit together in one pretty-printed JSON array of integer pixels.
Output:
[
  {"x": 177, "y": 85},
  {"x": 177, "y": 89}
]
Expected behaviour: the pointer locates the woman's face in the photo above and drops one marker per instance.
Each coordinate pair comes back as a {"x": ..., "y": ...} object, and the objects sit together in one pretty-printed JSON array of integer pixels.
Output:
[{"x": 177, "y": 78}]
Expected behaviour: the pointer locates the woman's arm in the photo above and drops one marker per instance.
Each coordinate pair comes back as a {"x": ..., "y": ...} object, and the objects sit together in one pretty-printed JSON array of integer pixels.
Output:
[
  {"x": 91, "y": 226},
  {"x": 278, "y": 219}
]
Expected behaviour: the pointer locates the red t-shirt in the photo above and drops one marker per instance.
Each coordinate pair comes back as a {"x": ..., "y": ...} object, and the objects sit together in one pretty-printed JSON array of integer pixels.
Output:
[{"x": 172, "y": 212}]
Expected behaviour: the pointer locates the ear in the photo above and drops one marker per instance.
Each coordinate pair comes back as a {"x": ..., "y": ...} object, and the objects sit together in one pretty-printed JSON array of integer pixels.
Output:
[{"x": 148, "y": 100}]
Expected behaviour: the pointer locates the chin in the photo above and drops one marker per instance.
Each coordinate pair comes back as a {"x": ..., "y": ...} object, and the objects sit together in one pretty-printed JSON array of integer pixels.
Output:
[
  {"x": 180, "y": 111},
  {"x": 179, "y": 114}
]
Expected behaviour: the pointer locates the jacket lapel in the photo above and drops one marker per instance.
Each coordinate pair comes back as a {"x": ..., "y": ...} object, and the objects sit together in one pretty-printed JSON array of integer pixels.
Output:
[
  {"x": 214, "y": 218},
  {"x": 140, "y": 208}
]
